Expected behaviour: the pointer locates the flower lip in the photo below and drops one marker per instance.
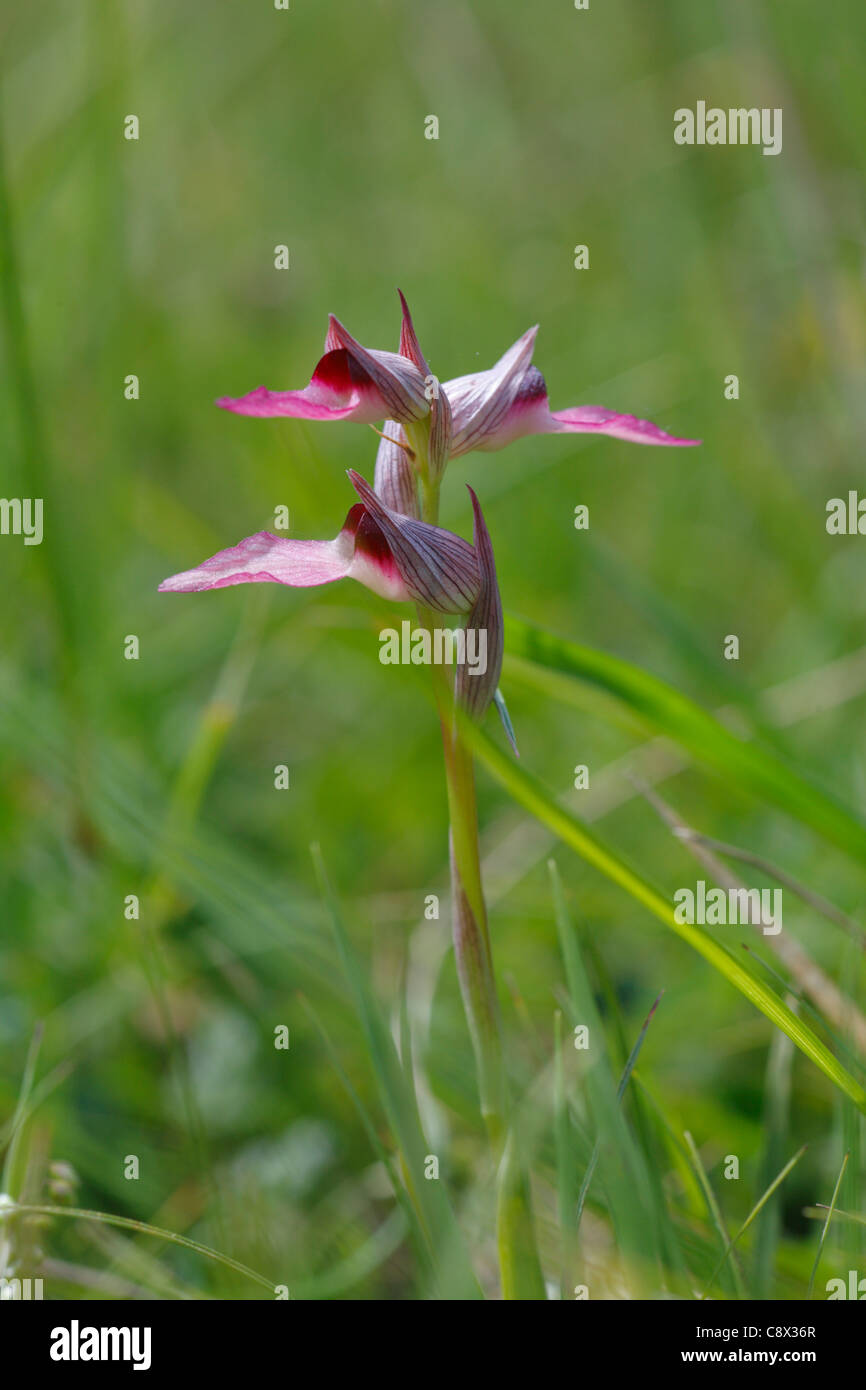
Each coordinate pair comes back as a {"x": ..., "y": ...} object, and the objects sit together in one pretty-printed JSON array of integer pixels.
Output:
[
  {"x": 348, "y": 382},
  {"x": 396, "y": 556},
  {"x": 596, "y": 419},
  {"x": 360, "y": 552}
]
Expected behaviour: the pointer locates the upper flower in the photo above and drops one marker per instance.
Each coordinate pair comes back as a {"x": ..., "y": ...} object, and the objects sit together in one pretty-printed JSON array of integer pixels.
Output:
[
  {"x": 350, "y": 382},
  {"x": 484, "y": 410}
]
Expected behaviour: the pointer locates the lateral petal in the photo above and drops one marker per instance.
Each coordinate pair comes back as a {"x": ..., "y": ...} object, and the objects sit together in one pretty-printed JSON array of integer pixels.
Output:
[
  {"x": 595, "y": 419},
  {"x": 350, "y": 382},
  {"x": 493, "y": 408},
  {"x": 359, "y": 552}
]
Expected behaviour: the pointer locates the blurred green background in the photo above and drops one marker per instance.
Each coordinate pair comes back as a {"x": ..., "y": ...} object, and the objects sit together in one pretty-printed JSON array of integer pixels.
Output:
[{"x": 155, "y": 777}]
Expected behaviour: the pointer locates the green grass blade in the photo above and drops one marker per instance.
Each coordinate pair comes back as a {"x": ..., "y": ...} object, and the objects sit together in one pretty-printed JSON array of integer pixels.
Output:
[
  {"x": 411, "y": 1220},
  {"x": 620, "y": 1092},
  {"x": 826, "y": 1225},
  {"x": 530, "y": 794},
  {"x": 453, "y": 1272},
  {"x": 557, "y": 667},
  {"x": 624, "y": 1175},
  {"x": 817, "y": 1213},
  {"x": 756, "y": 1210},
  {"x": 18, "y": 1119},
  {"x": 358, "y": 1266},
  {"x": 128, "y": 1223},
  {"x": 566, "y": 1185},
  {"x": 519, "y": 1267},
  {"x": 777, "y": 1105},
  {"x": 716, "y": 1213}
]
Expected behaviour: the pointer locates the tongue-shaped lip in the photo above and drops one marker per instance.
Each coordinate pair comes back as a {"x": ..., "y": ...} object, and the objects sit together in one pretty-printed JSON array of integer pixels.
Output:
[
  {"x": 395, "y": 556},
  {"x": 350, "y": 382}
]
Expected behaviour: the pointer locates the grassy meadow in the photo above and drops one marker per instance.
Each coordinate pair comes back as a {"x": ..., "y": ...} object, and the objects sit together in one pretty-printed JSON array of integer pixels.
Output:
[{"x": 169, "y": 918}]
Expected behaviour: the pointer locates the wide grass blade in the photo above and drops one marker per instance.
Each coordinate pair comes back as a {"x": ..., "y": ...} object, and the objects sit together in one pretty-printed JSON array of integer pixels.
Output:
[
  {"x": 559, "y": 667},
  {"x": 530, "y": 794},
  {"x": 519, "y": 1266}
]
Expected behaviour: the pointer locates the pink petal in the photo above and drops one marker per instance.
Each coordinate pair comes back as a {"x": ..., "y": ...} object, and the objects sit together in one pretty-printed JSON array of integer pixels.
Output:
[
  {"x": 409, "y": 345},
  {"x": 594, "y": 419},
  {"x": 495, "y": 407},
  {"x": 441, "y": 425},
  {"x": 359, "y": 552},
  {"x": 337, "y": 391},
  {"x": 350, "y": 382},
  {"x": 483, "y": 404}
]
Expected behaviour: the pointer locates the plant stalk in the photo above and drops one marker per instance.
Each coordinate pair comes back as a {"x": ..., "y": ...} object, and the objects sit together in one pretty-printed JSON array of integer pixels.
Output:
[{"x": 520, "y": 1270}]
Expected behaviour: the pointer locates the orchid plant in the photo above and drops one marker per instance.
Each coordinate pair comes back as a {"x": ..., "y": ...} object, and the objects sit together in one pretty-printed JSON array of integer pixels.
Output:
[{"x": 391, "y": 542}]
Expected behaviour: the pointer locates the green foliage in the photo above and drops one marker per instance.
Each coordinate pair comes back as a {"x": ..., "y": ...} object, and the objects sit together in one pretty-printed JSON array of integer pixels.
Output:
[{"x": 153, "y": 778}]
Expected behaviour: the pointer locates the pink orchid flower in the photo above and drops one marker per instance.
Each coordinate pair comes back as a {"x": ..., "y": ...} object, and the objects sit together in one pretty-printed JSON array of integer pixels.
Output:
[
  {"x": 384, "y": 544},
  {"x": 395, "y": 556},
  {"x": 485, "y": 410},
  {"x": 491, "y": 409}
]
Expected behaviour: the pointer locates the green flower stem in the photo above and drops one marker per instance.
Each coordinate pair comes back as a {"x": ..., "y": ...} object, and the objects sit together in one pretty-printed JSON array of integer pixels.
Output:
[
  {"x": 520, "y": 1271},
  {"x": 471, "y": 935},
  {"x": 469, "y": 914}
]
